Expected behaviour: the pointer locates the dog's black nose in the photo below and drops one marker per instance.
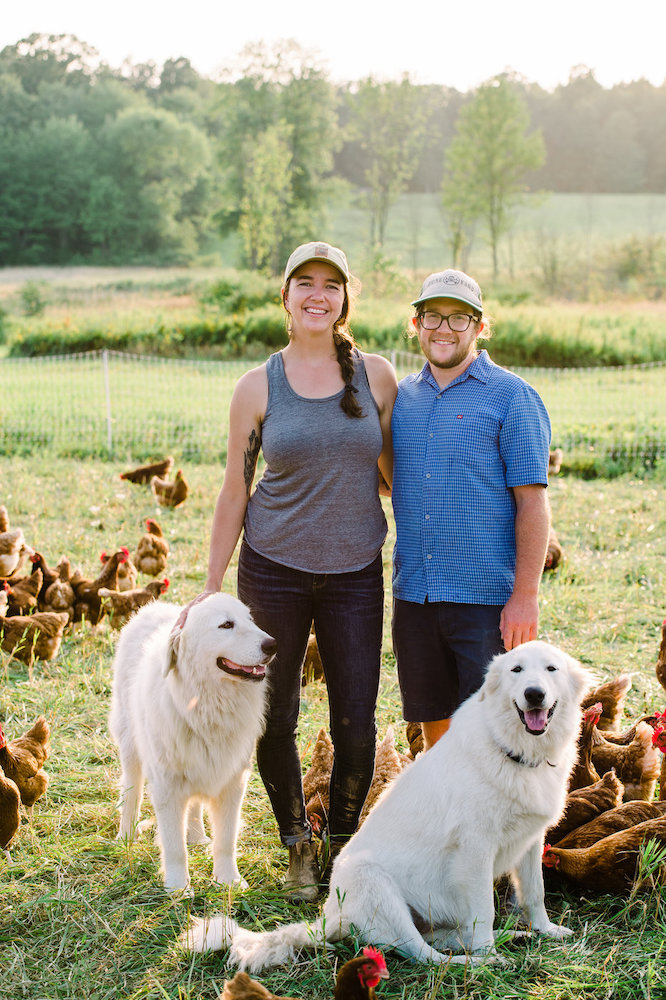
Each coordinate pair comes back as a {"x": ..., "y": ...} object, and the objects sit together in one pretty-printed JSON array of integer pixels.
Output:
[
  {"x": 269, "y": 646},
  {"x": 534, "y": 696}
]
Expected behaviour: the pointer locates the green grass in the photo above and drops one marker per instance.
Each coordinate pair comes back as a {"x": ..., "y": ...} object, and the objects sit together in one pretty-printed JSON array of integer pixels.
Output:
[{"x": 83, "y": 916}]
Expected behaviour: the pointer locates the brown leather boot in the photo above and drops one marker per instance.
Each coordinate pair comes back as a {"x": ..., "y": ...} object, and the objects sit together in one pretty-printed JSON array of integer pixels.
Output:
[{"x": 302, "y": 881}]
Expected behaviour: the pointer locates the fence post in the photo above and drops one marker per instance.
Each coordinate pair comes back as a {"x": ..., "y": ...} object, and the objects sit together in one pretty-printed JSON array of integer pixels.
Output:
[{"x": 107, "y": 390}]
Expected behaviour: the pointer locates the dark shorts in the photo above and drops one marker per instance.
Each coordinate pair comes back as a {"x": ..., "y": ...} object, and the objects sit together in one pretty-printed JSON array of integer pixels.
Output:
[{"x": 442, "y": 651}]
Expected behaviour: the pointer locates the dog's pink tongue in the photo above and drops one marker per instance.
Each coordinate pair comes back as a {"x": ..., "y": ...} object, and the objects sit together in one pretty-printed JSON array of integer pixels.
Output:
[
  {"x": 536, "y": 719},
  {"x": 245, "y": 668}
]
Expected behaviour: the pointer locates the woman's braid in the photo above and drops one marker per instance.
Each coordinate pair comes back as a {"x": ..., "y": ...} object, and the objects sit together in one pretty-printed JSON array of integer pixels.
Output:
[{"x": 344, "y": 342}]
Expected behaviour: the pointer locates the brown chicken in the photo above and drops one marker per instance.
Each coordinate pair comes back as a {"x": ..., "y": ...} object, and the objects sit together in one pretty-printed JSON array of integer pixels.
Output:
[
  {"x": 144, "y": 473},
  {"x": 389, "y": 762},
  {"x": 659, "y": 741},
  {"x": 612, "y": 695},
  {"x": 313, "y": 668},
  {"x": 152, "y": 550},
  {"x": 120, "y": 605},
  {"x": 584, "y": 772},
  {"x": 637, "y": 763},
  {"x": 10, "y": 813},
  {"x": 33, "y": 637},
  {"x": 585, "y": 804},
  {"x": 22, "y": 594},
  {"x": 317, "y": 780},
  {"x": 4, "y": 518},
  {"x": 59, "y": 595},
  {"x": 609, "y": 865},
  {"x": 127, "y": 572},
  {"x": 555, "y": 458},
  {"x": 622, "y": 817},
  {"x": 13, "y": 551},
  {"x": 88, "y": 604},
  {"x": 356, "y": 980},
  {"x": 660, "y": 666},
  {"x": 170, "y": 494},
  {"x": 49, "y": 575},
  {"x": 554, "y": 551},
  {"x": 23, "y": 759}
]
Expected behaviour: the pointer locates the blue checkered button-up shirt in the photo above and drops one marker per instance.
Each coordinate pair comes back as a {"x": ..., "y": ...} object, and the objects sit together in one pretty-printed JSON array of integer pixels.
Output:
[{"x": 457, "y": 453}]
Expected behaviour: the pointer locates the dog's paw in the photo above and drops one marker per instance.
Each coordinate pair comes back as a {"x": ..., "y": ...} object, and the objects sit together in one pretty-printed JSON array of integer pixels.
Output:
[
  {"x": 196, "y": 837},
  {"x": 177, "y": 881},
  {"x": 229, "y": 878},
  {"x": 180, "y": 892},
  {"x": 555, "y": 931},
  {"x": 127, "y": 836}
]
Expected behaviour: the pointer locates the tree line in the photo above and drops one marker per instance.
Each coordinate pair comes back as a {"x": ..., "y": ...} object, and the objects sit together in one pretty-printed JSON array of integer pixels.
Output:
[{"x": 152, "y": 163}]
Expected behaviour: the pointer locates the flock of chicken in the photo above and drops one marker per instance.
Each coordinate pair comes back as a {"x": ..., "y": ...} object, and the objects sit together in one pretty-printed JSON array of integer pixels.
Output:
[
  {"x": 37, "y": 607},
  {"x": 39, "y": 602}
]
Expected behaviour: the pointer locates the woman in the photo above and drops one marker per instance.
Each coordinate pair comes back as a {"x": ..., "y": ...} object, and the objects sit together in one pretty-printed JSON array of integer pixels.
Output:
[{"x": 313, "y": 531}]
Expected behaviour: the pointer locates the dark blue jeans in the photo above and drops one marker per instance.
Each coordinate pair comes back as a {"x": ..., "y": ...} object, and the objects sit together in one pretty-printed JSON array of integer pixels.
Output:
[
  {"x": 442, "y": 651},
  {"x": 347, "y": 610}
]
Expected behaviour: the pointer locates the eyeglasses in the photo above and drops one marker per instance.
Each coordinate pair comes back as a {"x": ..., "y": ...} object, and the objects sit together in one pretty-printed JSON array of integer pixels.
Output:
[{"x": 458, "y": 322}]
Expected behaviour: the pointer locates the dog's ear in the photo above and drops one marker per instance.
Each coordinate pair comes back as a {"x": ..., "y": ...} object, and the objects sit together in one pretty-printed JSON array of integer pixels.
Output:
[
  {"x": 492, "y": 678},
  {"x": 581, "y": 678},
  {"x": 173, "y": 645}
]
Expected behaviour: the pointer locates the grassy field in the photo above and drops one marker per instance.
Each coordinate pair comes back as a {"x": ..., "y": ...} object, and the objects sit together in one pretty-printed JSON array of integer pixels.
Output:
[{"x": 82, "y": 916}]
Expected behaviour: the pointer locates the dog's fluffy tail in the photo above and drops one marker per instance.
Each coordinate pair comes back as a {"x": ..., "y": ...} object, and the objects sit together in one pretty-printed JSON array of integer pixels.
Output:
[
  {"x": 252, "y": 951},
  {"x": 212, "y": 934}
]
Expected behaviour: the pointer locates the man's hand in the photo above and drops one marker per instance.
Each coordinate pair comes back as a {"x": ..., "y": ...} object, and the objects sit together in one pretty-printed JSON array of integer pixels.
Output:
[{"x": 519, "y": 621}]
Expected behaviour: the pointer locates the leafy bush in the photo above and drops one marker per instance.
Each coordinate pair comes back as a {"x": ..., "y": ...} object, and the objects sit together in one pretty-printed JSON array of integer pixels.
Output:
[{"x": 33, "y": 298}]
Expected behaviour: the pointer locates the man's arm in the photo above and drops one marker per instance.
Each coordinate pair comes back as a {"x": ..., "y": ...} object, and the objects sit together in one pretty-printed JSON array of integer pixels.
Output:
[{"x": 520, "y": 615}]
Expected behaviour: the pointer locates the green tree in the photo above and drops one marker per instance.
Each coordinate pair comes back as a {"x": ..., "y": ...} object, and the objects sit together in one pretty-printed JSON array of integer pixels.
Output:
[
  {"x": 45, "y": 176},
  {"x": 388, "y": 119},
  {"x": 158, "y": 163},
  {"x": 488, "y": 160},
  {"x": 280, "y": 87},
  {"x": 40, "y": 59},
  {"x": 265, "y": 201}
]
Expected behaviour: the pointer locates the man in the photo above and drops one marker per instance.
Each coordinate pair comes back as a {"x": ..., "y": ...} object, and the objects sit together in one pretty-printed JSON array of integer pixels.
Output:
[{"x": 471, "y": 443}]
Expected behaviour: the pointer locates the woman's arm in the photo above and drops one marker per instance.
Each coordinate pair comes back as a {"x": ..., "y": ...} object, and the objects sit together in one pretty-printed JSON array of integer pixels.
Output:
[
  {"x": 384, "y": 388},
  {"x": 246, "y": 413}
]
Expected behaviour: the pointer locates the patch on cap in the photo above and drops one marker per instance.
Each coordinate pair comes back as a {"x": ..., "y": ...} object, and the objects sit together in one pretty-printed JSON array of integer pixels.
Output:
[
  {"x": 451, "y": 284},
  {"x": 316, "y": 251}
]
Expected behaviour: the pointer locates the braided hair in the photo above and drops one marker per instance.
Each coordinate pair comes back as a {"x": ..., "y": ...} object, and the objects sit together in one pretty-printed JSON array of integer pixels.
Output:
[{"x": 345, "y": 345}]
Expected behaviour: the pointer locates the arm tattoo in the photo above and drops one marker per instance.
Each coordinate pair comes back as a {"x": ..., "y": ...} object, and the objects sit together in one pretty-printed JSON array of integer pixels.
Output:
[{"x": 250, "y": 459}]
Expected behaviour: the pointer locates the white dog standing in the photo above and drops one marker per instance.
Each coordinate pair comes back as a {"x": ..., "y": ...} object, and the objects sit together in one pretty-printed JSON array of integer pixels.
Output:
[
  {"x": 186, "y": 713},
  {"x": 418, "y": 876}
]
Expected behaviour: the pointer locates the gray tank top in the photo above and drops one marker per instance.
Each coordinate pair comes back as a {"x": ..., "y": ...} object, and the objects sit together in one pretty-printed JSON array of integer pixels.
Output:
[{"x": 317, "y": 508}]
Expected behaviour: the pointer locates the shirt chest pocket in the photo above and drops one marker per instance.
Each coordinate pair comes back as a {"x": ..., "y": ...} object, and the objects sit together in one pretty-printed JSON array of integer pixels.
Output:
[{"x": 470, "y": 437}]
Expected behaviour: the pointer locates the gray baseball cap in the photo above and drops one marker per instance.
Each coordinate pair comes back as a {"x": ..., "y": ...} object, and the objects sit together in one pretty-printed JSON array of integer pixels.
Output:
[
  {"x": 317, "y": 251},
  {"x": 451, "y": 284}
]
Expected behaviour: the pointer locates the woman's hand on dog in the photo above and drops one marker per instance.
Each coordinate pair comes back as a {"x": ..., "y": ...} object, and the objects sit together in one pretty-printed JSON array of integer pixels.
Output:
[{"x": 182, "y": 617}]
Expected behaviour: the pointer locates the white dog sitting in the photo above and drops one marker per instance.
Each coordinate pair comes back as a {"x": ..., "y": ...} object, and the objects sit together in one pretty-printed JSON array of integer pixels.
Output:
[
  {"x": 186, "y": 713},
  {"x": 418, "y": 876}
]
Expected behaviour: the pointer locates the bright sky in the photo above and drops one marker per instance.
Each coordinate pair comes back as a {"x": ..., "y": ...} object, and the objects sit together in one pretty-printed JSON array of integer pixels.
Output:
[{"x": 435, "y": 41}]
